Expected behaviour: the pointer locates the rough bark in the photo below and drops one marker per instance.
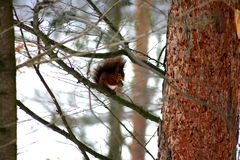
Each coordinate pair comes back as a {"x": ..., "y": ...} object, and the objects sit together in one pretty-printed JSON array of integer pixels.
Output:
[
  {"x": 202, "y": 92},
  {"x": 8, "y": 84},
  {"x": 139, "y": 89}
]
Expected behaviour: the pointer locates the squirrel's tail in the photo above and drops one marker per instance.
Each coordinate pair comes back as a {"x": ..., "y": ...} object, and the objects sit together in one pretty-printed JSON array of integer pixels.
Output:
[{"x": 110, "y": 65}]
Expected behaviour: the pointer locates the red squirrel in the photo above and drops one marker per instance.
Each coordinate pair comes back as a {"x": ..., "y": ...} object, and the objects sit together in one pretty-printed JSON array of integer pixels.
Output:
[{"x": 110, "y": 73}]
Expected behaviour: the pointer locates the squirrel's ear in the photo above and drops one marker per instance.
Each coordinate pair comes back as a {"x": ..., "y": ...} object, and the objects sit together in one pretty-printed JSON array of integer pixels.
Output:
[{"x": 123, "y": 63}]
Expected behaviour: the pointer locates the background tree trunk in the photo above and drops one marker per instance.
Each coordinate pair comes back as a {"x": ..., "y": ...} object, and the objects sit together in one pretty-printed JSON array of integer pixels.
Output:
[
  {"x": 139, "y": 89},
  {"x": 8, "y": 84},
  {"x": 202, "y": 93},
  {"x": 116, "y": 138}
]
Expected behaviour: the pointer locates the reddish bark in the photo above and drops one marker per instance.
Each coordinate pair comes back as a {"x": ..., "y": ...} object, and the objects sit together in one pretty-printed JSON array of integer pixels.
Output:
[
  {"x": 202, "y": 94},
  {"x": 139, "y": 89}
]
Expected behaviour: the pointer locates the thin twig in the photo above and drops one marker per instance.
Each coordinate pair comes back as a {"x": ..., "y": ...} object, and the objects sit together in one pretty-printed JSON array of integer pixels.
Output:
[
  {"x": 119, "y": 121},
  {"x": 51, "y": 94},
  {"x": 60, "y": 131}
]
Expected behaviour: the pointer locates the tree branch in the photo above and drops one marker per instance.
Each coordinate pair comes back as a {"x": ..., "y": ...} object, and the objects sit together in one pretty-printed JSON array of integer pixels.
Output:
[
  {"x": 45, "y": 38},
  {"x": 124, "y": 126},
  {"x": 60, "y": 131},
  {"x": 49, "y": 90},
  {"x": 48, "y": 42},
  {"x": 104, "y": 90},
  {"x": 102, "y": 16}
]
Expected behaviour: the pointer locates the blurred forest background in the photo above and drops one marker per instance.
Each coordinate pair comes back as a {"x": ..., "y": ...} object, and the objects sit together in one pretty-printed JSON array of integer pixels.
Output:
[{"x": 62, "y": 42}]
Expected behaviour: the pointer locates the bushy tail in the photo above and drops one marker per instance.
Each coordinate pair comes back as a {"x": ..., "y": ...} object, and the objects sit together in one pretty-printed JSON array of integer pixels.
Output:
[{"x": 110, "y": 65}]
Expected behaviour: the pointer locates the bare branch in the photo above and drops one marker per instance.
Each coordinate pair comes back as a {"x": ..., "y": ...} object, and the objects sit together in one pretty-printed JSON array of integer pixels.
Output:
[
  {"x": 52, "y": 96},
  {"x": 60, "y": 131},
  {"x": 119, "y": 121},
  {"x": 85, "y": 81}
]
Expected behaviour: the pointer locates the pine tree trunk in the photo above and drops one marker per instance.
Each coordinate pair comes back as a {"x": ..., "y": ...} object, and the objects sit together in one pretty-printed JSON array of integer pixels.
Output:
[
  {"x": 139, "y": 87},
  {"x": 203, "y": 72},
  {"x": 8, "y": 83}
]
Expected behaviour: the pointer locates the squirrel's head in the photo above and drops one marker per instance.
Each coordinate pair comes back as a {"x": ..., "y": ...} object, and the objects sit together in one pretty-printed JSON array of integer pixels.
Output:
[{"x": 120, "y": 68}]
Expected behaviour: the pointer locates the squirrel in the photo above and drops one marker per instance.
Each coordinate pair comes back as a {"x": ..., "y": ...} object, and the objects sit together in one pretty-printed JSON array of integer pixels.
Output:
[{"x": 110, "y": 73}]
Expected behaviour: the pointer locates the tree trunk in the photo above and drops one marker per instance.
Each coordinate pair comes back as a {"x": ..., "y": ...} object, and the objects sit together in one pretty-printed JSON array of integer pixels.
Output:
[
  {"x": 8, "y": 84},
  {"x": 115, "y": 138},
  {"x": 202, "y": 93},
  {"x": 139, "y": 89}
]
